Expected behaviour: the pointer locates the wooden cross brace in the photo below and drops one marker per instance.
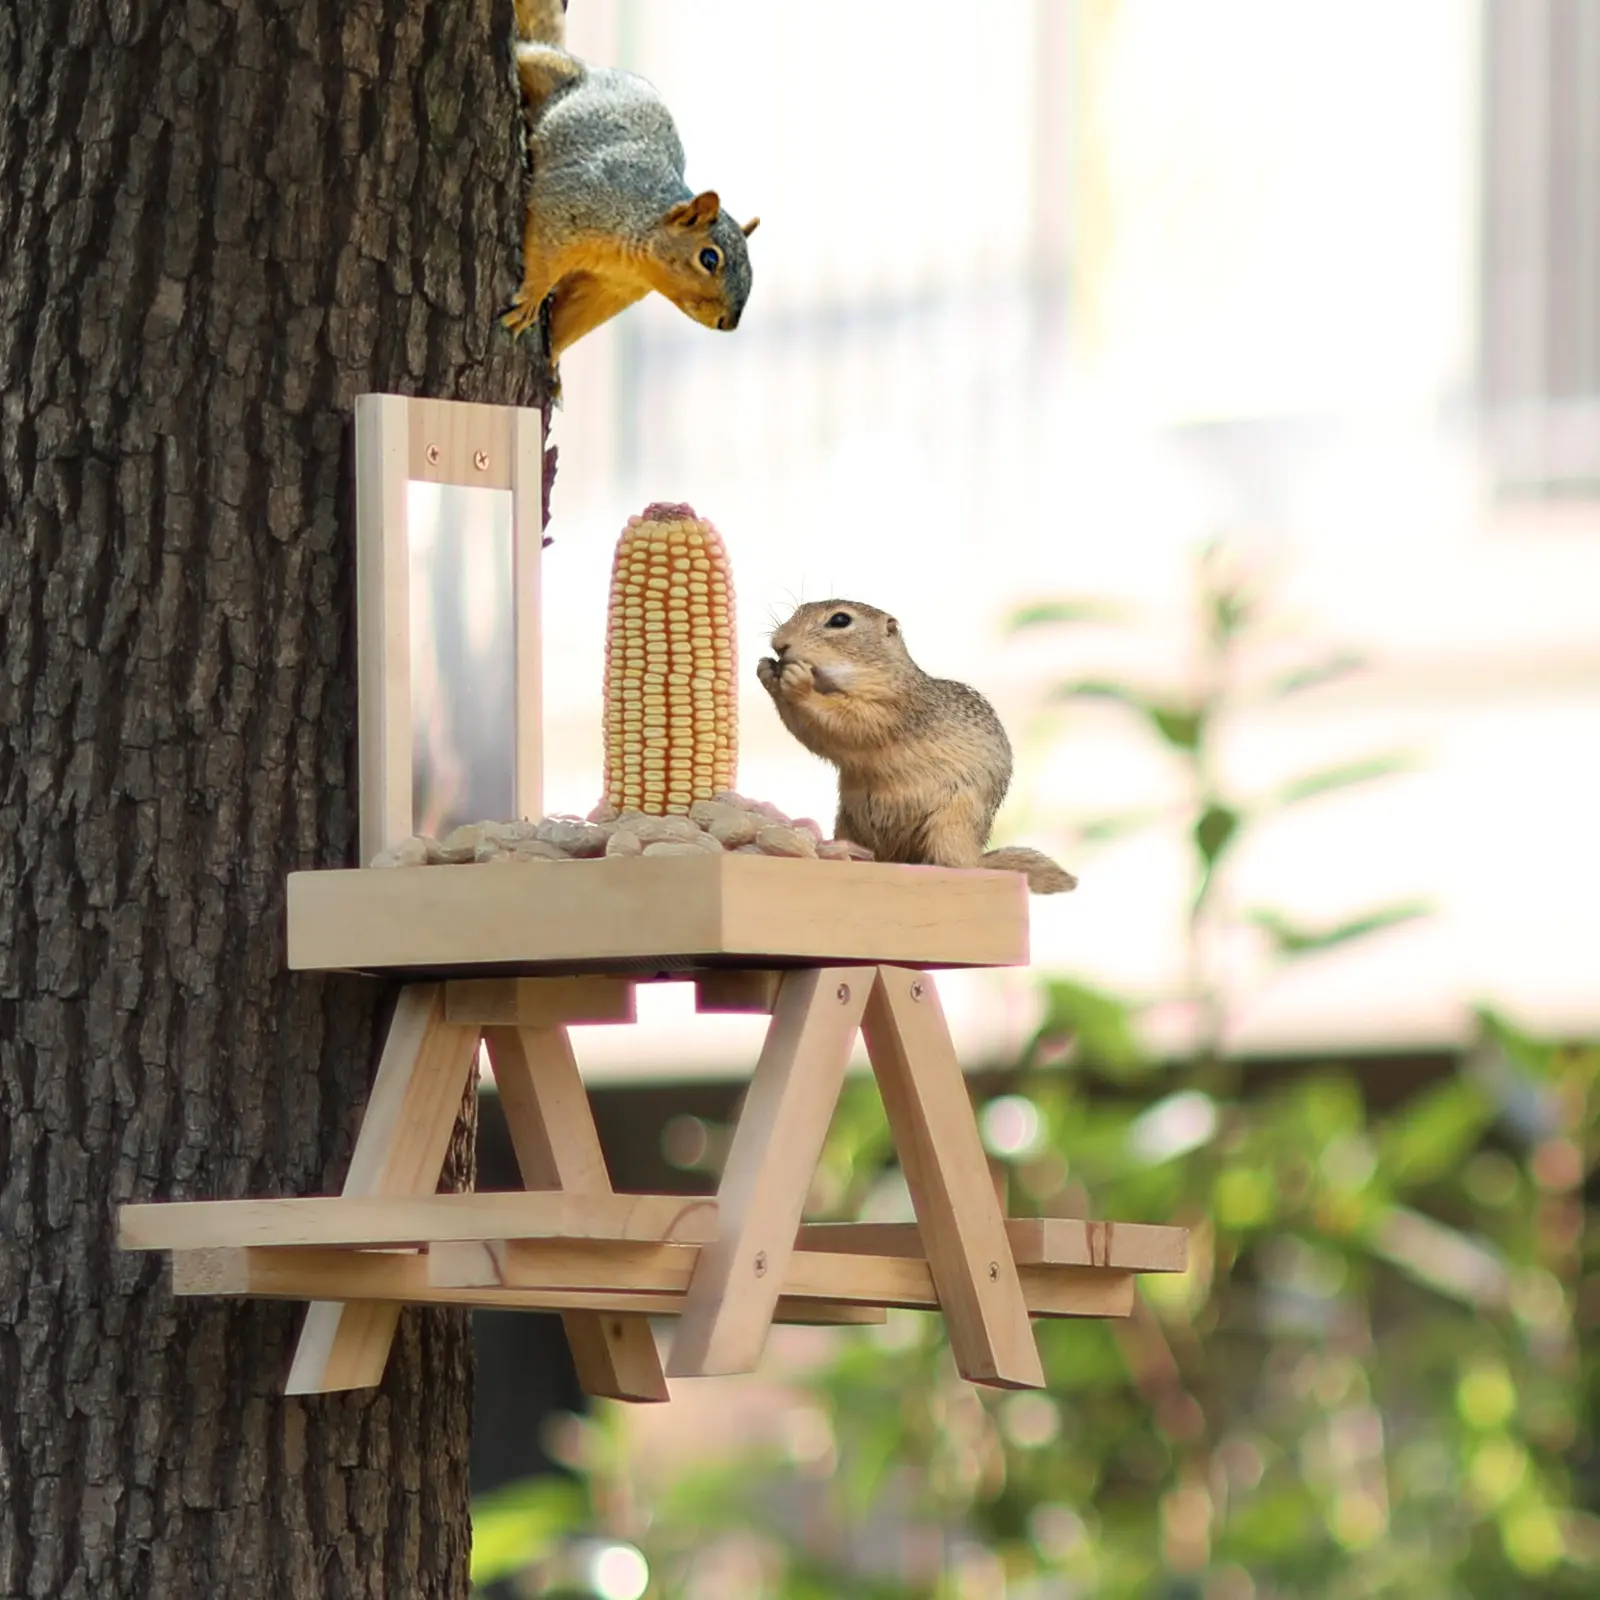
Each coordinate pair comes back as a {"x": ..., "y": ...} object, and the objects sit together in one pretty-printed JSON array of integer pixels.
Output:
[{"x": 738, "y": 1275}]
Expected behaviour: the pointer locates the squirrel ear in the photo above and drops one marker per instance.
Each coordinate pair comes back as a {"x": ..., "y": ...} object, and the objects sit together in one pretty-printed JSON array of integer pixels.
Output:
[
  {"x": 751, "y": 226},
  {"x": 699, "y": 212},
  {"x": 891, "y": 627}
]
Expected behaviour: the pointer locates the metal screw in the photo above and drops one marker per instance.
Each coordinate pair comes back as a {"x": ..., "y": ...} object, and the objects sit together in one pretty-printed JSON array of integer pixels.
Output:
[
  {"x": 843, "y": 992},
  {"x": 994, "y": 1272},
  {"x": 916, "y": 990},
  {"x": 761, "y": 1263},
  {"x": 481, "y": 461},
  {"x": 432, "y": 453}
]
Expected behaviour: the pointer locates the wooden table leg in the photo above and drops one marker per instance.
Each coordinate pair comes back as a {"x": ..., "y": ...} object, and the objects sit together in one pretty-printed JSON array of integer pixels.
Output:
[
  {"x": 558, "y": 1147},
  {"x": 936, "y": 1136},
  {"x": 404, "y": 1138},
  {"x": 734, "y": 1290}
]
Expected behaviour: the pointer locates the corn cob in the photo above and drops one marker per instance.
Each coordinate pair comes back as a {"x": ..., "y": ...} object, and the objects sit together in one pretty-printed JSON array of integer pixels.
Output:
[{"x": 671, "y": 713}]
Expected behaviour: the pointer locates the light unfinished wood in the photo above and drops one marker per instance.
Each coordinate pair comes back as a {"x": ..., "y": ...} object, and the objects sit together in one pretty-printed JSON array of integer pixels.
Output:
[
  {"x": 561, "y": 915},
  {"x": 399, "y": 439},
  {"x": 459, "y": 442},
  {"x": 558, "y": 1147},
  {"x": 302, "y": 1274},
  {"x": 527, "y": 544},
  {"x": 769, "y": 1169},
  {"x": 1035, "y": 1241},
  {"x": 383, "y": 621},
  {"x": 936, "y": 1137},
  {"x": 946, "y": 917},
  {"x": 539, "y": 1002},
  {"x": 823, "y": 1276},
  {"x": 416, "y": 1220},
  {"x": 737, "y": 990},
  {"x": 405, "y": 1133},
  {"x": 562, "y": 1264},
  {"x": 398, "y": 1219}
]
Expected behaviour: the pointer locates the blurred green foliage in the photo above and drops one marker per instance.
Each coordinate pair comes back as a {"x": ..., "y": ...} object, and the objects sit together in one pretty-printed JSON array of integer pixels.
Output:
[{"x": 1376, "y": 1378}]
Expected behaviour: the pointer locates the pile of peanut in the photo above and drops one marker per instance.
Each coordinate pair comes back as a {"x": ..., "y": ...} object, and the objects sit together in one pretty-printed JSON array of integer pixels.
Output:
[{"x": 730, "y": 822}]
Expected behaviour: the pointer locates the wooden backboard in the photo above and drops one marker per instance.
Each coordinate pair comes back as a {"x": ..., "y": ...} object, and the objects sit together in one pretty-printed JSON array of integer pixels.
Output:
[{"x": 403, "y": 445}]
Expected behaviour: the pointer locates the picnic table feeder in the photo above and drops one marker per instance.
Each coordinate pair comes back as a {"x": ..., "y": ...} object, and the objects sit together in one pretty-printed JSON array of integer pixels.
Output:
[{"x": 514, "y": 955}]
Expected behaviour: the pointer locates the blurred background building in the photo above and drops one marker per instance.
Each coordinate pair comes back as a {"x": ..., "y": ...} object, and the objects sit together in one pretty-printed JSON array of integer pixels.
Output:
[
  {"x": 1049, "y": 294},
  {"x": 1046, "y": 298}
]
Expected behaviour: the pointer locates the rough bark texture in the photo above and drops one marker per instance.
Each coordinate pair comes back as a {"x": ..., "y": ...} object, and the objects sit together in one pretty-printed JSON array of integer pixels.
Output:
[{"x": 219, "y": 222}]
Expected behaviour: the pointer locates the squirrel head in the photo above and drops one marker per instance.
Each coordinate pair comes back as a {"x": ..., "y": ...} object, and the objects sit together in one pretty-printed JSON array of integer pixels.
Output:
[
  {"x": 851, "y": 648},
  {"x": 703, "y": 265}
]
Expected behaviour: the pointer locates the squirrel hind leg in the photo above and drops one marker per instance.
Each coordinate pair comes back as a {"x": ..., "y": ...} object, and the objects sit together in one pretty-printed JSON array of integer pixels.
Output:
[
  {"x": 542, "y": 69},
  {"x": 953, "y": 836}
]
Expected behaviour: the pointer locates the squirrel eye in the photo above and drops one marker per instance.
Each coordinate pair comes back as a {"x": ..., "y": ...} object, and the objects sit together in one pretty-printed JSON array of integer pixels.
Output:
[
  {"x": 840, "y": 619},
  {"x": 709, "y": 259}
]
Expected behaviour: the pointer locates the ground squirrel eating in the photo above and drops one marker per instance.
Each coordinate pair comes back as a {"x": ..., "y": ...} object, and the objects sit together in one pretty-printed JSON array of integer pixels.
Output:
[{"x": 923, "y": 762}]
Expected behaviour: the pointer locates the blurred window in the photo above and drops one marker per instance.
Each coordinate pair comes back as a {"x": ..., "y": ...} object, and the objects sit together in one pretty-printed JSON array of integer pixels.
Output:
[{"x": 1540, "y": 333}]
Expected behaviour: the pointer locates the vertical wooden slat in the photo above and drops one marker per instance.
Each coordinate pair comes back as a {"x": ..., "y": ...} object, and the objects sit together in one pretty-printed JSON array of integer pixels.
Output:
[
  {"x": 558, "y": 1147},
  {"x": 936, "y": 1137},
  {"x": 383, "y": 621},
  {"x": 527, "y": 539},
  {"x": 771, "y": 1162}
]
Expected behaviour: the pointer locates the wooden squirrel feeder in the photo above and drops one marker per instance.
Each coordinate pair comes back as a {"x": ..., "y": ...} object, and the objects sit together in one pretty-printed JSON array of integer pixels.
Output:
[{"x": 514, "y": 957}]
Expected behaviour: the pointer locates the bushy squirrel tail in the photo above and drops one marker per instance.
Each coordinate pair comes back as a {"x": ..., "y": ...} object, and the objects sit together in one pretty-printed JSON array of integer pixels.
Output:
[
  {"x": 542, "y": 21},
  {"x": 1044, "y": 875},
  {"x": 543, "y": 65}
]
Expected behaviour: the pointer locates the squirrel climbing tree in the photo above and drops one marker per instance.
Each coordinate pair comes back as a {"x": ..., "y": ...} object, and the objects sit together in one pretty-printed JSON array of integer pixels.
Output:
[{"x": 609, "y": 215}]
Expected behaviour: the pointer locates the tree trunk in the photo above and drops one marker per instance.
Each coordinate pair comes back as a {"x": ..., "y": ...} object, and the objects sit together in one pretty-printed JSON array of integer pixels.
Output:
[{"x": 218, "y": 224}]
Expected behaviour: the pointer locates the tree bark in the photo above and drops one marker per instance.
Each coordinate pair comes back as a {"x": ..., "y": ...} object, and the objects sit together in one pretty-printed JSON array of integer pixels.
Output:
[{"x": 219, "y": 222}]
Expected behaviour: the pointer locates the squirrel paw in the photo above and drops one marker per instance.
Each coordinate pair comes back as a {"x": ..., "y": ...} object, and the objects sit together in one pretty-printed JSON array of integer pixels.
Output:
[
  {"x": 794, "y": 679},
  {"x": 787, "y": 679},
  {"x": 523, "y": 314}
]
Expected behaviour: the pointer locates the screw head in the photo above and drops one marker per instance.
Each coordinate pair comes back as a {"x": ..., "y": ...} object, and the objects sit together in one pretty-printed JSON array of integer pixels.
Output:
[
  {"x": 432, "y": 453},
  {"x": 481, "y": 460},
  {"x": 916, "y": 990},
  {"x": 994, "y": 1272},
  {"x": 842, "y": 993},
  {"x": 761, "y": 1263}
]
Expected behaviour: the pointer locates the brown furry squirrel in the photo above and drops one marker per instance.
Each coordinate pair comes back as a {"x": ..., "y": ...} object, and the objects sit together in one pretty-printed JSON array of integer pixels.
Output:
[
  {"x": 609, "y": 217},
  {"x": 923, "y": 762}
]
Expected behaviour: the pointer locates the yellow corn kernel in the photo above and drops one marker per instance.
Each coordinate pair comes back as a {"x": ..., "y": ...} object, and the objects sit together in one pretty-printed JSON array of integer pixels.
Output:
[{"x": 671, "y": 711}]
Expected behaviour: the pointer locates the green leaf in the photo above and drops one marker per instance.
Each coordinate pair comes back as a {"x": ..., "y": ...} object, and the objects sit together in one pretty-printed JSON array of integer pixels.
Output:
[
  {"x": 1316, "y": 673},
  {"x": 1244, "y": 1197},
  {"x": 1181, "y": 726},
  {"x": 1106, "y": 830},
  {"x": 1344, "y": 777},
  {"x": 517, "y": 1525},
  {"x": 1094, "y": 689},
  {"x": 1099, "y": 1024},
  {"x": 1290, "y": 939},
  {"x": 1214, "y": 829},
  {"x": 1434, "y": 1133},
  {"x": 1053, "y": 613},
  {"x": 1230, "y": 614},
  {"x": 1536, "y": 1056}
]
